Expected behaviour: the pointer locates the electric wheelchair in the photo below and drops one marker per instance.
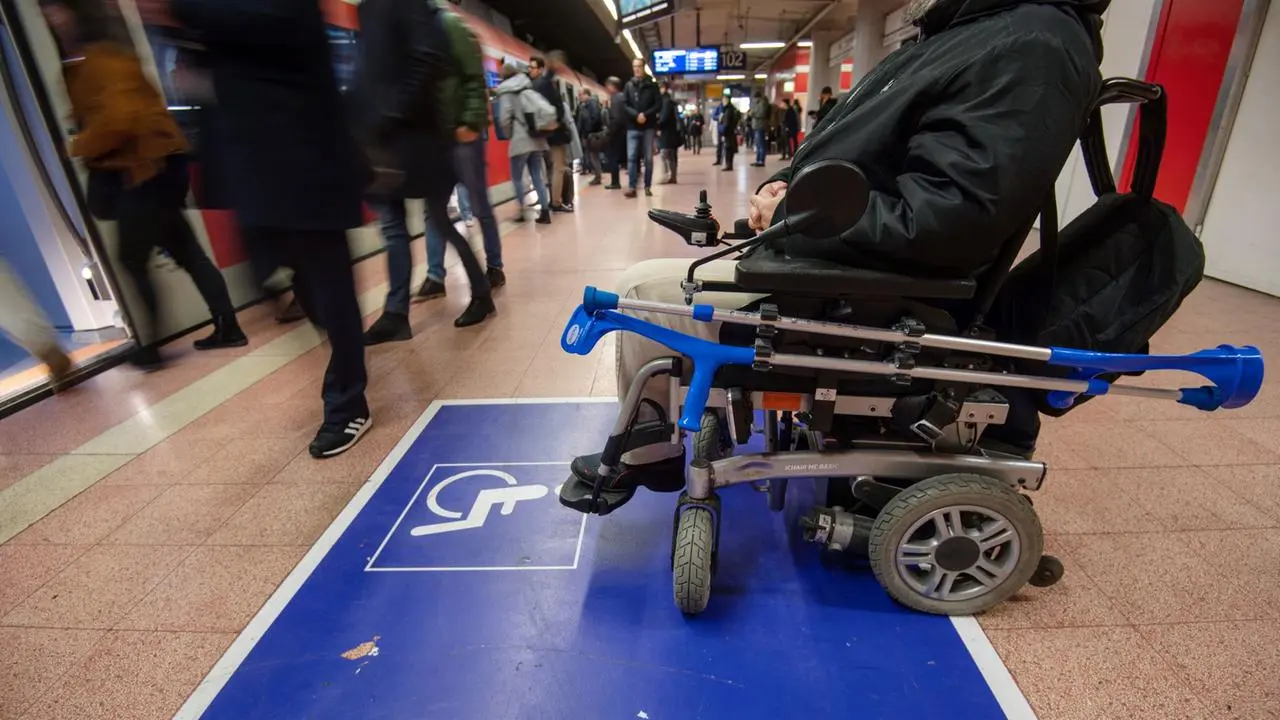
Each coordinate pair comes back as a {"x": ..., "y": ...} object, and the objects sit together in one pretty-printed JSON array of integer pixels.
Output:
[{"x": 887, "y": 386}]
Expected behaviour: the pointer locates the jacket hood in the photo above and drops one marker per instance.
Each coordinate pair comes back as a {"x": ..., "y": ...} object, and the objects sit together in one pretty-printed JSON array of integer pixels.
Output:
[
  {"x": 935, "y": 16},
  {"x": 514, "y": 84}
]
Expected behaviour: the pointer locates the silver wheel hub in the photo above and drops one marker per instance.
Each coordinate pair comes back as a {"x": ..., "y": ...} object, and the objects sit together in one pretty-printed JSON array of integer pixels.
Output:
[{"x": 958, "y": 553}]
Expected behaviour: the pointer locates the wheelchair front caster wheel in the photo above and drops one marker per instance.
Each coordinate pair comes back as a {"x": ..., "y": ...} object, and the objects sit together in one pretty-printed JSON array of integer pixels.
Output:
[
  {"x": 693, "y": 556},
  {"x": 711, "y": 442},
  {"x": 955, "y": 544},
  {"x": 1048, "y": 572}
]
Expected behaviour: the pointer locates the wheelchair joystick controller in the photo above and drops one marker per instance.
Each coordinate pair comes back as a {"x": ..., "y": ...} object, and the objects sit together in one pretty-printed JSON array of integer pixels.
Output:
[{"x": 702, "y": 210}]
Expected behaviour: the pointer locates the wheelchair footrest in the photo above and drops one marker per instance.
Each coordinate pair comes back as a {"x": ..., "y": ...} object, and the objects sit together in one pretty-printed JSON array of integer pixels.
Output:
[{"x": 576, "y": 494}]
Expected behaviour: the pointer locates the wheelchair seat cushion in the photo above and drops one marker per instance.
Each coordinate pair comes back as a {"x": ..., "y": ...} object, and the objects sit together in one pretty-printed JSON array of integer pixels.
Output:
[{"x": 766, "y": 270}]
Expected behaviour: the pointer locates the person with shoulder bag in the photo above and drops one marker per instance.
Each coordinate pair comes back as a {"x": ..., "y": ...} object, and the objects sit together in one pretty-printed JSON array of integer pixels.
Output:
[{"x": 521, "y": 107}]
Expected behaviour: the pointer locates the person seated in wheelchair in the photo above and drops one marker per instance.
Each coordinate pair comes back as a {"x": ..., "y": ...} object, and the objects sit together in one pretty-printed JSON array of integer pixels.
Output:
[{"x": 961, "y": 137}]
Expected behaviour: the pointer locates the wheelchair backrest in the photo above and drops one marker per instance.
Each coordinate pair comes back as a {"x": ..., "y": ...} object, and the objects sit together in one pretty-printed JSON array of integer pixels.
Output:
[{"x": 1094, "y": 148}]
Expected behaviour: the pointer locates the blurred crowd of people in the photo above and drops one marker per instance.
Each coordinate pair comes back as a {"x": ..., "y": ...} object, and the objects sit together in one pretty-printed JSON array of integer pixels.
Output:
[
  {"x": 301, "y": 152},
  {"x": 300, "y": 161}
]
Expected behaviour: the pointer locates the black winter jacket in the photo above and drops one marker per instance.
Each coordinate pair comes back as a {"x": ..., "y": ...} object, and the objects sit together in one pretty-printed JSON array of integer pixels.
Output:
[
  {"x": 547, "y": 88},
  {"x": 289, "y": 159},
  {"x": 403, "y": 54},
  {"x": 643, "y": 97},
  {"x": 961, "y": 135}
]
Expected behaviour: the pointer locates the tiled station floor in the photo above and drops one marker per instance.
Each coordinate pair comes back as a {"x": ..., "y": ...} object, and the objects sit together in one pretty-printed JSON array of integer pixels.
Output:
[{"x": 146, "y": 518}]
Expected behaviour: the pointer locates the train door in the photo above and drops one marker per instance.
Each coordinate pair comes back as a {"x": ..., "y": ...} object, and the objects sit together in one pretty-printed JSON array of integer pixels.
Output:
[{"x": 46, "y": 240}]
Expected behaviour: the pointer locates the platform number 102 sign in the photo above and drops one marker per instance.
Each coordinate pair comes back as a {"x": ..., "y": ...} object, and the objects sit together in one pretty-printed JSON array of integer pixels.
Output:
[{"x": 733, "y": 60}]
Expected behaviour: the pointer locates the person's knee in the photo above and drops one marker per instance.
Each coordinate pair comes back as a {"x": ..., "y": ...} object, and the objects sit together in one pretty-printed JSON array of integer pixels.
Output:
[{"x": 652, "y": 279}]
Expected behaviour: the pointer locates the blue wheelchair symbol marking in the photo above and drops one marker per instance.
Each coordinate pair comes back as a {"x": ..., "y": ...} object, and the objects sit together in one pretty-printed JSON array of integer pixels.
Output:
[{"x": 450, "y": 524}]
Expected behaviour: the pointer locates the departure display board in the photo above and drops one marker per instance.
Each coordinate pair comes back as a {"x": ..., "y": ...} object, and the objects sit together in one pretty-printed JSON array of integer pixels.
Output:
[{"x": 685, "y": 61}]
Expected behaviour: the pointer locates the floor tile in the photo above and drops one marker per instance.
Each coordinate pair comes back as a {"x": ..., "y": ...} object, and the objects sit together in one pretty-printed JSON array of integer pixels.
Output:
[
  {"x": 285, "y": 514},
  {"x": 183, "y": 515},
  {"x": 99, "y": 588},
  {"x": 1074, "y": 601},
  {"x": 1259, "y": 485},
  {"x": 1226, "y": 664},
  {"x": 24, "y": 568},
  {"x": 45, "y": 490},
  {"x": 1187, "y": 499},
  {"x": 247, "y": 461},
  {"x": 33, "y": 659},
  {"x": 1158, "y": 578},
  {"x": 91, "y": 516},
  {"x": 215, "y": 589},
  {"x": 1251, "y": 557},
  {"x": 1095, "y": 673},
  {"x": 169, "y": 462},
  {"x": 15, "y": 467},
  {"x": 133, "y": 675},
  {"x": 1212, "y": 443},
  {"x": 1118, "y": 445},
  {"x": 1089, "y": 501}
]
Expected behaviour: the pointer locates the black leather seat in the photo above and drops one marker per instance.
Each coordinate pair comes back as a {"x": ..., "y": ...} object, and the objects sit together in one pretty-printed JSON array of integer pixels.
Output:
[{"x": 767, "y": 271}]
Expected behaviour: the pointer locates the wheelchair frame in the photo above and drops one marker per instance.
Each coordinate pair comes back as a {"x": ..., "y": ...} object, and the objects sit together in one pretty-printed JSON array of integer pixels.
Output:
[{"x": 950, "y": 529}]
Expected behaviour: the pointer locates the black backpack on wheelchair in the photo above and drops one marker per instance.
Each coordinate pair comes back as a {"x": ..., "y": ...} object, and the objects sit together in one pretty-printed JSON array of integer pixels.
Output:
[{"x": 1111, "y": 278}]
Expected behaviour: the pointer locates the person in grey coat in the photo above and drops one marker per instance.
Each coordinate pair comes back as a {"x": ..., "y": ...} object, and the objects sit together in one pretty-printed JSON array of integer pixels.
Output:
[
  {"x": 524, "y": 150},
  {"x": 759, "y": 124}
]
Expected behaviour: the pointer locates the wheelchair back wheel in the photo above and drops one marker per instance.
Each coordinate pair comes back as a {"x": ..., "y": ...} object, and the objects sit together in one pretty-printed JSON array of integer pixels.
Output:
[{"x": 955, "y": 544}]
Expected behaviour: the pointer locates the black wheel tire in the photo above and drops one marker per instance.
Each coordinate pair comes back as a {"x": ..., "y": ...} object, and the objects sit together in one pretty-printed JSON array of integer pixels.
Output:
[
  {"x": 708, "y": 442},
  {"x": 692, "y": 560},
  {"x": 1048, "y": 572},
  {"x": 942, "y": 491}
]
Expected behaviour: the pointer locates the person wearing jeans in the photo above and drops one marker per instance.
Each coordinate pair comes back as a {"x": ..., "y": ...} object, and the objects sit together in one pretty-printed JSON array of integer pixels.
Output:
[
  {"x": 643, "y": 102},
  {"x": 535, "y": 165},
  {"x": 393, "y": 325},
  {"x": 473, "y": 201},
  {"x": 524, "y": 150}
]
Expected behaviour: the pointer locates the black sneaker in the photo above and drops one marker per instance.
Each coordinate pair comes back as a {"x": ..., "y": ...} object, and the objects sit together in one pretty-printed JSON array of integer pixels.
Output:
[
  {"x": 331, "y": 441},
  {"x": 391, "y": 327},
  {"x": 496, "y": 277},
  {"x": 544, "y": 218},
  {"x": 648, "y": 192},
  {"x": 431, "y": 289},
  {"x": 477, "y": 312}
]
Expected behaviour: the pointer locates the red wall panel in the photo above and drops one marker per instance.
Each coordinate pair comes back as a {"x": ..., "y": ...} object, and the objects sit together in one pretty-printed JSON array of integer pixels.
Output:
[{"x": 1189, "y": 57}]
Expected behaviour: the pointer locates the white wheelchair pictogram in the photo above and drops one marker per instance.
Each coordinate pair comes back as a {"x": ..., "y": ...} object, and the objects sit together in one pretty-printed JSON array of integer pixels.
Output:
[{"x": 505, "y": 498}]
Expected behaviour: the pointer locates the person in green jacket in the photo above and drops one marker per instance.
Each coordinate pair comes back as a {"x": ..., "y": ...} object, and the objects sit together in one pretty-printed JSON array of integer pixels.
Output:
[{"x": 464, "y": 106}]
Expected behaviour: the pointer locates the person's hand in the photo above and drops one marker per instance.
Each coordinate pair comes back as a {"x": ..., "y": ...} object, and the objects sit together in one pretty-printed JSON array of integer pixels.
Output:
[
  {"x": 764, "y": 203},
  {"x": 640, "y": 119},
  {"x": 466, "y": 135}
]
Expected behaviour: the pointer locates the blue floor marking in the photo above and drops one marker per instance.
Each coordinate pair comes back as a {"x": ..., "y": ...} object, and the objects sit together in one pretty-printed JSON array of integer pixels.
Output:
[{"x": 492, "y": 620}]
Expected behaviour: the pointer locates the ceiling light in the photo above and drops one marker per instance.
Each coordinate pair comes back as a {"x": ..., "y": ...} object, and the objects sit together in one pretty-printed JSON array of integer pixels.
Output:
[
  {"x": 761, "y": 45},
  {"x": 805, "y": 43},
  {"x": 613, "y": 9},
  {"x": 762, "y": 76},
  {"x": 635, "y": 49},
  {"x": 731, "y": 77}
]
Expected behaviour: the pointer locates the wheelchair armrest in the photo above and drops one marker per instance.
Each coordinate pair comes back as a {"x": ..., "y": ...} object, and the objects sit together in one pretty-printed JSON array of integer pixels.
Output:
[{"x": 768, "y": 271}]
